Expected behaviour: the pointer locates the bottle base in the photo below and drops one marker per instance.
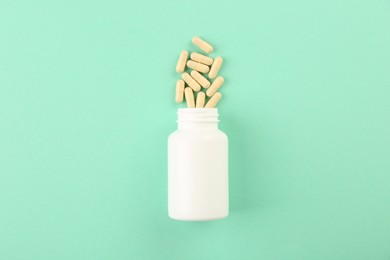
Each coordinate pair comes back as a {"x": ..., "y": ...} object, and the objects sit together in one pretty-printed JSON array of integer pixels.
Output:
[{"x": 188, "y": 218}]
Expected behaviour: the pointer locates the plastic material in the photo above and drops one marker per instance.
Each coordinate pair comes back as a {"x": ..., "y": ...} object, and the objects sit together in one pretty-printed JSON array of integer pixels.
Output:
[{"x": 198, "y": 167}]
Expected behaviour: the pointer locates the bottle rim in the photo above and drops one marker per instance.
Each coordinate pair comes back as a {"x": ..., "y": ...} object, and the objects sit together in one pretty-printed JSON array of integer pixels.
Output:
[{"x": 207, "y": 115}]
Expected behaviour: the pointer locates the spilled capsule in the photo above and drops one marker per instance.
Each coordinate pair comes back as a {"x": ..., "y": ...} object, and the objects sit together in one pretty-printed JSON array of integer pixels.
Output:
[
  {"x": 181, "y": 63},
  {"x": 190, "y": 81},
  {"x": 201, "y": 58},
  {"x": 179, "y": 91},
  {"x": 200, "y": 79},
  {"x": 215, "y": 67},
  {"x": 202, "y": 44},
  {"x": 198, "y": 66},
  {"x": 213, "y": 100},
  {"x": 200, "y": 98},
  {"x": 189, "y": 97},
  {"x": 217, "y": 83}
]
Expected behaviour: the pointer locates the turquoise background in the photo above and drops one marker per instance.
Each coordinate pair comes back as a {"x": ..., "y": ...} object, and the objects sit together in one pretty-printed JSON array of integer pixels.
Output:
[{"x": 87, "y": 103}]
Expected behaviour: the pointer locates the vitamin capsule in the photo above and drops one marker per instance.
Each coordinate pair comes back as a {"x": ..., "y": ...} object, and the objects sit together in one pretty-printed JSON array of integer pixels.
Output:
[
  {"x": 198, "y": 66},
  {"x": 189, "y": 97},
  {"x": 179, "y": 91},
  {"x": 203, "y": 45},
  {"x": 181, "y": 63},
  {"x": 217, "y": 83},
  {"x": 214, "y": 100},
  {"x": 200, "y": 98},
  {"x": 190, "y": 81},
  {"x": 215, "y": 67},
  {"x": 201, "y": 58},
  {"x": 200, "y": 79}
]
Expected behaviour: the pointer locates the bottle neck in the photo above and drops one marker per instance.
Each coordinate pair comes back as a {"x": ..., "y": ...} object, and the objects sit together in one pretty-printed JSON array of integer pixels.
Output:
[
  {"x": 197, "y": 118},
  {"x": 188, "y": 125}
]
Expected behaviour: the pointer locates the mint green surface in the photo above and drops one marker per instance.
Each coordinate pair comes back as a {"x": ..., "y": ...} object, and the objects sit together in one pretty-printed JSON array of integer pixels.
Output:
[{"x": 87, "y": 103}]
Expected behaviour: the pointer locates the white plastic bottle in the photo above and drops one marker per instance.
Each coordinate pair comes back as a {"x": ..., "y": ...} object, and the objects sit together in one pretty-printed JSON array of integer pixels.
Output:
[{"x": 198, "y": 186}]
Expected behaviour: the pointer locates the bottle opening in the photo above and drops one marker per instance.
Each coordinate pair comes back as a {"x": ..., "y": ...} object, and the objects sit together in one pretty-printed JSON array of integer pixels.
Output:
[{"x": 206, "y": 115}]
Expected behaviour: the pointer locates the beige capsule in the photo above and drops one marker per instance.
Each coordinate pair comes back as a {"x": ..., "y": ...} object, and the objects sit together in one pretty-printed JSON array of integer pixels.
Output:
[
  {"x": 201, "y": 58},
  {"x": 200, "y": 79},
  {"x": 202, "y": 44},
  {"x": 215, "y": 67},
  {"x": 200, "y": 98},
  {"x": 217, "y": 83},
  {"x": 181, "y": 63},
  {"x": 179, "y": 91},
  {"x": 189, "y": 97},
  {"x": 190, "y": 81},
  {"x": 198, "y": 66},
  {"x": 213, "y": 100}
]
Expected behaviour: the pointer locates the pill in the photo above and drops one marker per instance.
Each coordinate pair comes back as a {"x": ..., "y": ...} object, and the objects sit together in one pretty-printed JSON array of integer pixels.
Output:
[
  {"x": 217, "y": 83},
  {"x": 201, "y": 58},
  {"x": 213, "y": 100},
  {"x": 200, "y": 98},
  {"x": 198, "y": 66},
  {"x": 179, "y": 91},
  {"x": 203, "y": 45},
  {"x": 189, "y": 97},
  {"x": 200, "y": 79},
  {"x": 215, "y": 67},
  {"x": 190, "y": 81},
  {"x": 181, "y": 63}
]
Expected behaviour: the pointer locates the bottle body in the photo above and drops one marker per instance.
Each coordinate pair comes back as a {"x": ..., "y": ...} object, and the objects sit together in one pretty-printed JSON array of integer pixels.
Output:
[{"x": 198, "y": 167}]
